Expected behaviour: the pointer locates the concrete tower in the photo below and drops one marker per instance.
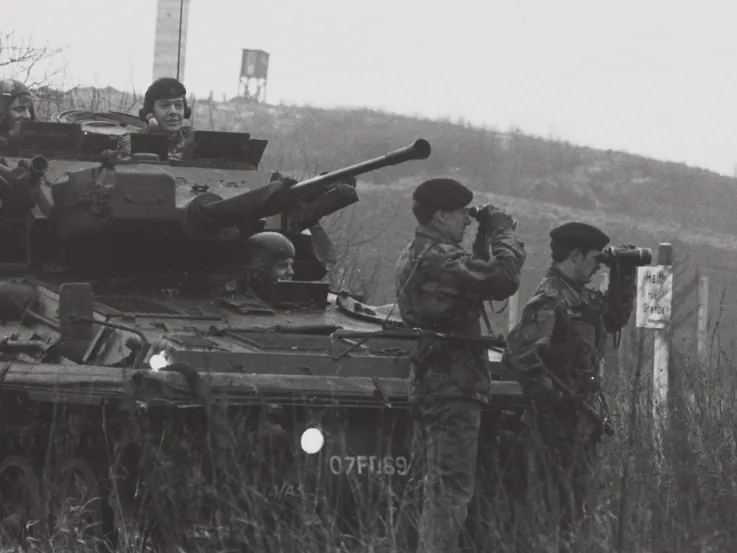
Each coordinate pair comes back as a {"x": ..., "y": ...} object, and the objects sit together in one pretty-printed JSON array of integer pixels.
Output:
[{"x": 171, "y": 38}]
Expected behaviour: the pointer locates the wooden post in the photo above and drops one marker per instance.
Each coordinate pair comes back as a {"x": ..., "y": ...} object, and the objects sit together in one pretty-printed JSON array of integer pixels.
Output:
[
  {"x": 603, "y": 288},
  {"x": 654, "y": 303},
  {"x": 703, "y": 321},
  {"x": 661, "y": 346},
  {"x": 513, "y": 310}
]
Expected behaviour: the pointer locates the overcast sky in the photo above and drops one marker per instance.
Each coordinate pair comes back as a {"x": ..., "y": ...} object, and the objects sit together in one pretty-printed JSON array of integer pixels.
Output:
[{"x": 657, "y": 78}]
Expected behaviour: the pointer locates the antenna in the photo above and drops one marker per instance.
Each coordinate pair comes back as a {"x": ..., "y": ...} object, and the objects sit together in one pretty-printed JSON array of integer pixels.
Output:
[{"x": 179, "y": 43}]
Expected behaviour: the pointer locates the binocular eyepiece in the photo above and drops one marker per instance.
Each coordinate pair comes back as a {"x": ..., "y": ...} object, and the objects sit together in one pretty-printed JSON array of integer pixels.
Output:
[
  {"x": 639, "y": 257},
  {"x": 473, "y": 211}
]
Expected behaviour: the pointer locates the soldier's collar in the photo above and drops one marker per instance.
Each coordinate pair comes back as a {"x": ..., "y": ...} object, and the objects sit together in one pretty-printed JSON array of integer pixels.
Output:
[
  {"x": 555, "y": 271},
  {"x": 434, "y": 234}
]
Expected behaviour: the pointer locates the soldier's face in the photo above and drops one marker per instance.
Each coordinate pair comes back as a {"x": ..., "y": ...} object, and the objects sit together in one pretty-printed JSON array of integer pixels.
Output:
[
  {"x": 453, "y": 223},
  {"x": 284, "y": 269},
  {"x": 19, "y": 110},
  {"x": 169, "y": 113},
  {"x": 585, "y": 265}
]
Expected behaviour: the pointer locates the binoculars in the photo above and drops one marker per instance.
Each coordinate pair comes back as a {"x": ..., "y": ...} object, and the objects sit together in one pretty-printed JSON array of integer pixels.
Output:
[
  {"x": 639, "y": 257},
  {"x": 473, "y": 211}
]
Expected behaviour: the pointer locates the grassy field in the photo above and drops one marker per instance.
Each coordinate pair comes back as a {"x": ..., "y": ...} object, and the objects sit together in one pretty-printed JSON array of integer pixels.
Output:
[{"x": 680, "y": 498}]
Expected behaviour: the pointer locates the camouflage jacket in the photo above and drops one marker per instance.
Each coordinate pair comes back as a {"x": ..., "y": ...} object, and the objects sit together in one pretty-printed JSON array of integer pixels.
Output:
[
  {"x": 178, "y": 143},
  {"x": 442, "y": 287},
  {"x": 563, "y": 329}
]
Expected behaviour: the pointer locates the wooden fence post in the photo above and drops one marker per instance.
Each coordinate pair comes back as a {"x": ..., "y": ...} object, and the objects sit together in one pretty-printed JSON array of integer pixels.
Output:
[
  {"x": 603, "y": 288},
  {"x": 654, "y": 306},
  {"x": 702, "y": 328}
]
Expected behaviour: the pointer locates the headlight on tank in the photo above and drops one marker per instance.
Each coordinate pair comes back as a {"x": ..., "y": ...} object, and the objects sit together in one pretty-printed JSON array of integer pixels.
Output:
[
  {"x": 160, "y": 355},
  {"x": 158, "y": 361},
  {"x": 312, "y": 441}
]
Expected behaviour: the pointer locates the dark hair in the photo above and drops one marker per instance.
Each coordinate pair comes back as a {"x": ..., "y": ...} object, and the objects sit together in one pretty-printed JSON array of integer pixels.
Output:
[
  {"x": 422, "y": 212},
  {"x": 165, "y": 87}
]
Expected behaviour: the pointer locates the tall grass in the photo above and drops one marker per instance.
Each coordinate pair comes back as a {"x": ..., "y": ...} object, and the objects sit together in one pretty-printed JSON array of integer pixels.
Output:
[{"x": 209, "y": 488}]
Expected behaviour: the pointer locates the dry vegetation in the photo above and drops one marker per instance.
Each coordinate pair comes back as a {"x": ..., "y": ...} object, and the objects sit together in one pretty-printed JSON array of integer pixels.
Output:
[{"x": 681, "y": 500}]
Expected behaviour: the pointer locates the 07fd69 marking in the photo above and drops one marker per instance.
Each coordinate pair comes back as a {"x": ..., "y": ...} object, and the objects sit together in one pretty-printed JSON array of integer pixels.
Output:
[{"x": 369, "y": 464}]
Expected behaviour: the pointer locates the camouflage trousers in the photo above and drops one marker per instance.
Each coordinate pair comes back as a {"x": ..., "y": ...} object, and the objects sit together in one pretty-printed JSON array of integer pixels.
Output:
[
  {"x": 562, "y": 452},
  {"x": 445, "y": 445}
]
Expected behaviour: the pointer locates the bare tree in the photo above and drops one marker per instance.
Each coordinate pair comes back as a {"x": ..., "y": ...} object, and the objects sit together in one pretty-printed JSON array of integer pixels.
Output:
[{"x": 23, "y": 59}]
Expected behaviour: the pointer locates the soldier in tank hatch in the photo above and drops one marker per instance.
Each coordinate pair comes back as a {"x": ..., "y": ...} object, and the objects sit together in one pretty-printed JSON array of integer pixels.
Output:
[
  {"x": 267, "y": 258},
  {"x": 442, "y": 287},
  {"x": 555, "y": 351},
  {"x": 16, "y": 105},
  {"x": 165, "y": 111}
]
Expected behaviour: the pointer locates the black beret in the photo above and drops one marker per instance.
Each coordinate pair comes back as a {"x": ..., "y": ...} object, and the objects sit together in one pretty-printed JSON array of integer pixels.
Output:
[
  {"x": 579, "y": 235},
  {"x": 166, "y": 87},
  {"x": 443, "y": 194}
]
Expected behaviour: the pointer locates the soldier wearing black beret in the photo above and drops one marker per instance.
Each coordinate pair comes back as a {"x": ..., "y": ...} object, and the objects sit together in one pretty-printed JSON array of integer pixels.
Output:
[
  {"x": 442, "y": 287},
  {"x": 165, "y": 110},
  {"x": 555, "y": 352}
]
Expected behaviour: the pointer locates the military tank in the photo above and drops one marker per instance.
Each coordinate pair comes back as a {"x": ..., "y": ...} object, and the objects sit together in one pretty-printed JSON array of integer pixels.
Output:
[{"x": 131, "y": 387}]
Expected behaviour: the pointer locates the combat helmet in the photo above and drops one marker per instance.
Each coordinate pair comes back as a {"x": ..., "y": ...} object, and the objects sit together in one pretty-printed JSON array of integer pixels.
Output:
[
  {"x": 10, "y": 89},
  {"x": 266, "y": 248}
]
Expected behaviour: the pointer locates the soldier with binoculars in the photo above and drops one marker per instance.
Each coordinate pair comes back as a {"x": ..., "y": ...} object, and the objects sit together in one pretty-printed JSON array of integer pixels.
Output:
[
  {"x": 555, "y": 351},
  {"x": 442, "y": 287}
]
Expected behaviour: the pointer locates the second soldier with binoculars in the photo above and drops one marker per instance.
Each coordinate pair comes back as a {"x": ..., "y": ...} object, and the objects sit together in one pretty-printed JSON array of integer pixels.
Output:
[{"x": 555, "y": 351}]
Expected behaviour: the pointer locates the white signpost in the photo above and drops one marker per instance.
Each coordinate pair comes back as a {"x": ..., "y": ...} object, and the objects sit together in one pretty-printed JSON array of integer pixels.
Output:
[{"x": 654, "y": 305}]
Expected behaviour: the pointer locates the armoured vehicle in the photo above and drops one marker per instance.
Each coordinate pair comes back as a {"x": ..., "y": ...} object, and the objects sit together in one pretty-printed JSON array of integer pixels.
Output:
[{"x": 130, "y": 387}]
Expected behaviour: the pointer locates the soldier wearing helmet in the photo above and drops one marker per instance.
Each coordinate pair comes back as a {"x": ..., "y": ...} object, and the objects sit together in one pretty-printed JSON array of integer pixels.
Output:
[
  {"x": 165, "y": 110},
  {"x": 268, "y": 257},
  {"x": 265, "y": 259},
  {"x": 16, "y": 105}
]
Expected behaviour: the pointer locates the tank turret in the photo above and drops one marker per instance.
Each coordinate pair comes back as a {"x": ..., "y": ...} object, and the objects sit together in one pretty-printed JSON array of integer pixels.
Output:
[
  {"x": 134, "y": 208},
  {"x": 150, "y": 211}
]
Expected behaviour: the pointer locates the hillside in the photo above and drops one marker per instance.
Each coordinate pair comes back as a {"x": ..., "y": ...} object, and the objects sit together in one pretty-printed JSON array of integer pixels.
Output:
[{"x": 542, "y": 182}]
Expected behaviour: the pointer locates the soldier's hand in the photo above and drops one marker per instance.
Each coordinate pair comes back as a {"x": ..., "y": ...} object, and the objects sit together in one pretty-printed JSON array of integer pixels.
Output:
[
  {"x": 492, "y": 218},
  {"x": 547, "y": 393}
]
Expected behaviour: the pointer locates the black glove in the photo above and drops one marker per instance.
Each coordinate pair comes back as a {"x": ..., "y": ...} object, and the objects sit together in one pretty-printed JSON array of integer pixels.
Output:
[{"x": 491, "y": 218}]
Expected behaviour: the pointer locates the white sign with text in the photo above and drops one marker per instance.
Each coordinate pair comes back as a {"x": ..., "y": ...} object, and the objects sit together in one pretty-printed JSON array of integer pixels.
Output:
[{"x": 654, "y": 296}]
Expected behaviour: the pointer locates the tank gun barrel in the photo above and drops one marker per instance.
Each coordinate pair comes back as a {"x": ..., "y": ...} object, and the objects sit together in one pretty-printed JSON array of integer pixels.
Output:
[
  {"x": 420, "y": 149},
  {"x": 208, "y": 213}
]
